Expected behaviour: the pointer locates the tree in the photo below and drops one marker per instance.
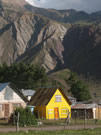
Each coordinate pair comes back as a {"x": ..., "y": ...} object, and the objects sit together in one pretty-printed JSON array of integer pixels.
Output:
[
  {"x": 78, "y": 88},
  {"x": 23, "y": 75}
]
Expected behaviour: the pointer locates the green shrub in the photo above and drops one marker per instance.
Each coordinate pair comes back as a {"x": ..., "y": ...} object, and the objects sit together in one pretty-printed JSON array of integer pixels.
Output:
[
  {"x": 26, "y": 117},
  {"x": 78, "y": 88}
]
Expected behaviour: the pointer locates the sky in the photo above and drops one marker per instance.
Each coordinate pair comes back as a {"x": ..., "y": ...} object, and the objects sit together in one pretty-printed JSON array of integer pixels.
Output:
[{"x": 85, "y": 5}]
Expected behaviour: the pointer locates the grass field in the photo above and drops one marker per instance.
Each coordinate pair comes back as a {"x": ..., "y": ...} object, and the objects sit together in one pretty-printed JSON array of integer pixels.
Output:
[{"x": 65, "y": 132}]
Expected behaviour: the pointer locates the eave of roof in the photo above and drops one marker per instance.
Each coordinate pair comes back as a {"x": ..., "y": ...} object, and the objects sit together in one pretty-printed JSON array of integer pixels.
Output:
[{"x": 16, "y": 90}]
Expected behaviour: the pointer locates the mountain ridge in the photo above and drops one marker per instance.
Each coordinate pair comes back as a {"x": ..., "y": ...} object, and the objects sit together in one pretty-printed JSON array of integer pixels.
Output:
[
  {"x": 62, "y": 40},
  {"x": 63, "y": 16},
  {"x": 27, "y": 36}
]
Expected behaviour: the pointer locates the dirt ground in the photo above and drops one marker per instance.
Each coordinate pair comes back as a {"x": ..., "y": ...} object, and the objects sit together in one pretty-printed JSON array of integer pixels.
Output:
[{"x": 49, "y": 128}]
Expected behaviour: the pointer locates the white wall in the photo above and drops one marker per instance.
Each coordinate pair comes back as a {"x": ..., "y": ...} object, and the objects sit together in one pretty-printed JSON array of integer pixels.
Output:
[{"x": 8, "y": 96}]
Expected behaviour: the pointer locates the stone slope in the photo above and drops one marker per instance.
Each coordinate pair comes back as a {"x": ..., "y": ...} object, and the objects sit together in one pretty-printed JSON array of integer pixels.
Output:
[
  {"x": 30, "y": 38},
  {"x": 14, "y": 4}
]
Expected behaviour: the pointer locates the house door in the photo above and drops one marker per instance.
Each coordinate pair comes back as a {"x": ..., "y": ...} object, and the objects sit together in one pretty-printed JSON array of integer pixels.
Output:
[
  {"x": 56, "y": 113},
  {"x": 6, "y": 110}
]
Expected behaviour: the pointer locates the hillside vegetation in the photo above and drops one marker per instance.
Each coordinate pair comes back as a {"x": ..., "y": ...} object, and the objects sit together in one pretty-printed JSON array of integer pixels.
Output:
[{"x": 94, "y": 86}]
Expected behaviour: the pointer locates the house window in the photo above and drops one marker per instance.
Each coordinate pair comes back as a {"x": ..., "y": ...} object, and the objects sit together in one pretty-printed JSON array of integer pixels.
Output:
[
  {"x": 58, "y": 98},
  {"x": 64, "y": 111},
  {"x": 0, "y": 107}
]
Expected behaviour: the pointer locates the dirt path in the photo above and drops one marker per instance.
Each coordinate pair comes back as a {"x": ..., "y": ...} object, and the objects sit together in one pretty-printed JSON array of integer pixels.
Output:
[{"x": 50, "y": 128}]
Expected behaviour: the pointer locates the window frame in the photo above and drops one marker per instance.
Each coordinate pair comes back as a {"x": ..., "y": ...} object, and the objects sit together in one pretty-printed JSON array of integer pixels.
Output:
[{"x": 58, "y": 98}]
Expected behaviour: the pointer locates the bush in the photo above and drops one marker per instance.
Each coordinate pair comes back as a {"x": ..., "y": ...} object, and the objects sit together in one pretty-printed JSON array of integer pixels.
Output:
[{"x": 26, "y": 117}]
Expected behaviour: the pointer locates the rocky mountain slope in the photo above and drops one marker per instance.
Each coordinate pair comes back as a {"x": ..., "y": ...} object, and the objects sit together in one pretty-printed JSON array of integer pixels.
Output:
[
  {"x": 27, "y": 34},
  {"x": 30, "y": 38},
  {"x": 82, "y": 45},
  {"x": 13, "y": 4}
]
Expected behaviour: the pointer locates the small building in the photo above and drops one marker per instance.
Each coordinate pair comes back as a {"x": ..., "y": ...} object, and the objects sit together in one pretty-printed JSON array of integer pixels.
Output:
[
  {"x": 51, "y": 103},
  {"x": 72, "y": 99},
  {"x": 28, "y": 93},
  {"x": 86, "y": 111},
  {"x": 10, "y": 98}
]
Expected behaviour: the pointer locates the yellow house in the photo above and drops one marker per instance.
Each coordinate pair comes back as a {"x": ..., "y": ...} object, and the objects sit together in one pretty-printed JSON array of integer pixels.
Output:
[{"x": 51, "y": 103}]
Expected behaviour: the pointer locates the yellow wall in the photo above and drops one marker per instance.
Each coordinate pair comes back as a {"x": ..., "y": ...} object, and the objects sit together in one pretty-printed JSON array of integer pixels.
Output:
[{"x": 63, "y": 106}]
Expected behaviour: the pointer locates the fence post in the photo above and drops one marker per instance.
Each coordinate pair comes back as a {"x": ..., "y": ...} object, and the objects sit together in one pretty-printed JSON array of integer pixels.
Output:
[
  {"x": 85, "y": 119},
  {"x": 17, "y": 124}
]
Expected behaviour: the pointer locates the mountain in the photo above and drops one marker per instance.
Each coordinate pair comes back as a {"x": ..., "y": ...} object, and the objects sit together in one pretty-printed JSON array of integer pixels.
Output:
[
  {"x": 56, "y": 39},
  {"x": 57, "y": 15},
  {"x": 63, "y": 16},
  {"x": 30, "y": 38},
  {"x": 13, "y": 4},
  {"x": 82, "y": 45}
]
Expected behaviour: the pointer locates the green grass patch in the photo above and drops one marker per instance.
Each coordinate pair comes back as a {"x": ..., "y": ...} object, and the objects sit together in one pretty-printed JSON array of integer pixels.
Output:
[
  {"x": 61, "y": 74},
  {"x": 63, "y": 132}
]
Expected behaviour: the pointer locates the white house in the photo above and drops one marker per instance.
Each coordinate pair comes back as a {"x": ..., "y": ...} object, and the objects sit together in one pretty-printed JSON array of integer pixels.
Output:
[{"x": 10, "y": 98}]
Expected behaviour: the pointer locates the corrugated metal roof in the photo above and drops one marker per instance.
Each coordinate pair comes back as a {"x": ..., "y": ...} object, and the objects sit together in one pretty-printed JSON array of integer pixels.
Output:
[
  {"x": 84, "y": 106},
  {"x": 3, "y": 85},
  {"x": 28, "y": 92}
]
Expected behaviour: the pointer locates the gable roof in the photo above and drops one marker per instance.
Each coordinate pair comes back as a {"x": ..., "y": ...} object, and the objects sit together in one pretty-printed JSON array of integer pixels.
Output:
[
  {"x": 3, "y": 85},
  {"x": 44, "y": 95},
  {"x": 14, "y": 88}
]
